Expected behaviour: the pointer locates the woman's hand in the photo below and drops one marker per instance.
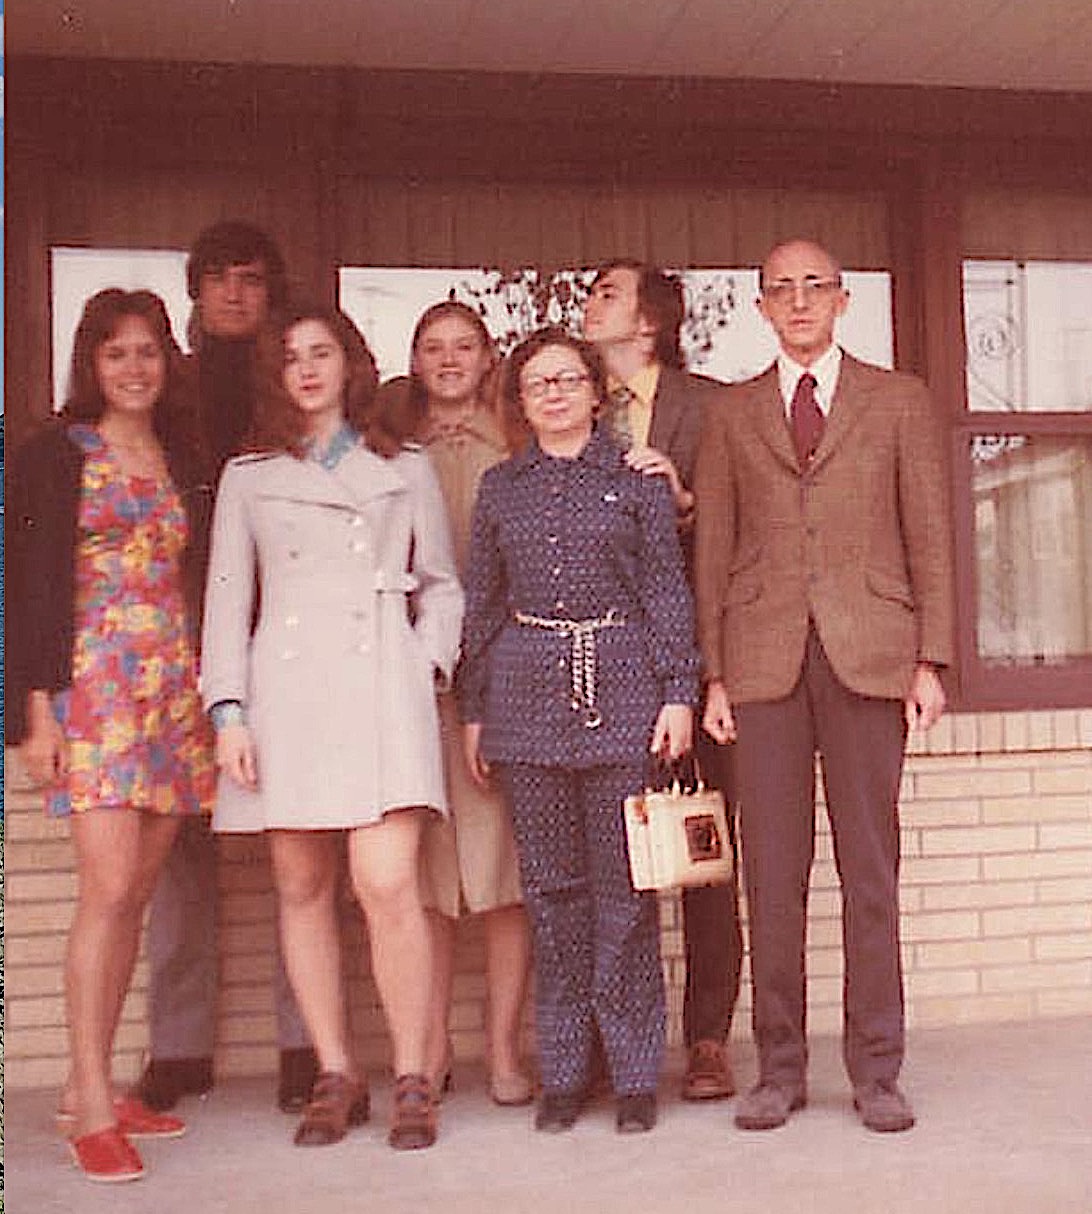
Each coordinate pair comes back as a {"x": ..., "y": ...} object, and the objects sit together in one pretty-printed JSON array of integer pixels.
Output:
[
  {"x": 673, "y": 734},
  {"x": 45, "y": 751},
  {"x": 480, "y": 771},
  {"x": 235, "y": 754}
]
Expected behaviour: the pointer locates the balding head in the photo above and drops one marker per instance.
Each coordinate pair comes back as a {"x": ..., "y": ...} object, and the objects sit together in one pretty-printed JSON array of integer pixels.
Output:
[{"x": 802, "y": 296}]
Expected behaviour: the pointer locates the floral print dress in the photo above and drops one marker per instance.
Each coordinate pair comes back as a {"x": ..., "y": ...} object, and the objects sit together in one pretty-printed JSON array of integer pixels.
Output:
[{"x": 137, "y": 737}]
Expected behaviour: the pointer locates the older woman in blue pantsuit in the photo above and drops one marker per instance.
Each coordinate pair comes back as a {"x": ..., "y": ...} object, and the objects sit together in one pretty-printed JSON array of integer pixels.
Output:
[{"x": 578, "y": 661}]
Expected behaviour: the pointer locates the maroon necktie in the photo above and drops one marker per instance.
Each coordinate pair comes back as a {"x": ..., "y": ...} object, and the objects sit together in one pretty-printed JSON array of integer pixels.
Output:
[{"x": 807, "y": 419}]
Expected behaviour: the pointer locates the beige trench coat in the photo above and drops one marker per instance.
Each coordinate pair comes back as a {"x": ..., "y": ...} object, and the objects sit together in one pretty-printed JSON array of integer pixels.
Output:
[{"x": 337, "y": 685}]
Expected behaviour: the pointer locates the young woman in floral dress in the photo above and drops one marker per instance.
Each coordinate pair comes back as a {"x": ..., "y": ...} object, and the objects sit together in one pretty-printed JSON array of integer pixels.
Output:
[{"x": 103, "y": 503}]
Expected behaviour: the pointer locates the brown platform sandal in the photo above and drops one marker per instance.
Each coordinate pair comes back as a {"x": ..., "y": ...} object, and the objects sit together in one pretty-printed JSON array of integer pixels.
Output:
[
  {"x": 337, "y": 1103},
  {"x": 413, "y": 1115}
]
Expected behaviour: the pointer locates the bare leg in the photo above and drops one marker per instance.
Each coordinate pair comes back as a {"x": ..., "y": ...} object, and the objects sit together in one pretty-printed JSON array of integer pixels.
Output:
[
  {"x": 383, "y": 864},
  {"x": 305, "y": 869},
  {"x": 507, "y": 968},
  {"x": 442, "y": 934},
  {"x": 118, "y": 854}
]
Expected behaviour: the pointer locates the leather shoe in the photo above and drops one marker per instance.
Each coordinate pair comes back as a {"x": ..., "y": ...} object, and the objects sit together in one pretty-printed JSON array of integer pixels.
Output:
[
  {"x": 708, "y": 1072},
  {"x": 636, "y": 1114},
  {"x": 882, "y": 1107},
  {"x": 413, "y": 1114},
  {"x": 165, "y": 1080},
  {"x": 338, "y": 1103},
  {"x": 558, "y": 1111},
  {"x": 768, "y": 1105},
  {"x": 297, "y": 1072},
  {"x": 106, "y": 1156}
]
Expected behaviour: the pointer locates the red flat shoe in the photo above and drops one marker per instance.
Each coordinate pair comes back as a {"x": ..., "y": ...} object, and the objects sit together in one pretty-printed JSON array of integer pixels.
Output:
[
  {"x": 106, "y": 1156},
  {"x": 134, "y": 1120}
]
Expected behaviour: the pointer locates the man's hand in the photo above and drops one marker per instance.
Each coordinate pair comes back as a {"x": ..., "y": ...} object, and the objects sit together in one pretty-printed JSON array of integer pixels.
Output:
[
  {"x": 719, "y": 723},
  {"x": 926, "y": 702},
  {"x": 654, "y": 463},
  {"x": 236, "y": 754}
]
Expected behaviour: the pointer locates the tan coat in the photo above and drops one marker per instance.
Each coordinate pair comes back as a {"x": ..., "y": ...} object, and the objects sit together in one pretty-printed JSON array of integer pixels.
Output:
[
  {"x": 860, "y": 543},
  {"x": 338, "y": 686}
]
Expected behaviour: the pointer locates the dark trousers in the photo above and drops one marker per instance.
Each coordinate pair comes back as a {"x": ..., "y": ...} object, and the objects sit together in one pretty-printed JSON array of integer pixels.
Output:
[
  {"x": 860, "y": 742},
  {"x": 711, "y": 931},
  {"x": 596, "y": 941},
  {"x": 183, "y": 960}
]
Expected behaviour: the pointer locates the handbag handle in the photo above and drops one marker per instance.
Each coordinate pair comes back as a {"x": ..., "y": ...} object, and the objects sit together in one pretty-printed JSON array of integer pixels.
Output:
[{"x": 676, "y": 773}]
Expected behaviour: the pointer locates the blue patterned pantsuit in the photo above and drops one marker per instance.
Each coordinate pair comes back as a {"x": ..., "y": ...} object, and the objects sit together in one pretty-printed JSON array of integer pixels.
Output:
[{"x": 596, "y": 940}]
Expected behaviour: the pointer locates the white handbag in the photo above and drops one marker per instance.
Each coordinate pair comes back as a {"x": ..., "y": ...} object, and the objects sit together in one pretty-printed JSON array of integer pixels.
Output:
[{"x": 678, "y": 837}]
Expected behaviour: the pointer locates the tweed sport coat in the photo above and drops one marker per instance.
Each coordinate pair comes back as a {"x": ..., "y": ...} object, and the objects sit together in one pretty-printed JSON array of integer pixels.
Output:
[{"x": 858, "y": 542}]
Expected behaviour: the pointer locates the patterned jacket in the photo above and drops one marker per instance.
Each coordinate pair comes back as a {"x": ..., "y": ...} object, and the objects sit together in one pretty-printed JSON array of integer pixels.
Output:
[{"x": 563, "y": 542}]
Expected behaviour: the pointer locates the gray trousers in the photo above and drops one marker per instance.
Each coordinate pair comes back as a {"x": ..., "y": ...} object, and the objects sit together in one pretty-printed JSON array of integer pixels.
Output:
[
  {"x": 183, "y": 955},
  {"x": 860, "y": 742}
]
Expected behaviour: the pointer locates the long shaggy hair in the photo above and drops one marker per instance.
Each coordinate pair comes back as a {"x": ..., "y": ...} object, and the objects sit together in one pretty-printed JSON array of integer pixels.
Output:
[{"x": 278, "y": 423}]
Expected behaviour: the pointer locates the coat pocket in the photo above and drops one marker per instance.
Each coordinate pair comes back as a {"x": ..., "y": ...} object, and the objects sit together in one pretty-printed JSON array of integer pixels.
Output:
[
  {"x": 743, "y": 583},
  {"x": 890, "y": 587}
]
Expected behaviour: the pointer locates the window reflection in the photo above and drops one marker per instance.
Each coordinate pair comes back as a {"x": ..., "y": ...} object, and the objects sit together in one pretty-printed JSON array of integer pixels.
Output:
[
  {"x": 1029, "y": 336},
  {"x": 1033, "y": 540}
]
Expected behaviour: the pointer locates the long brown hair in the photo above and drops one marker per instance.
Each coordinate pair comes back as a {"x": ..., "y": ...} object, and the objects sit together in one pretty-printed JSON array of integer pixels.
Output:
[
  {"x": 402, "y": 403},
  {"x": 278, "y": 423},
  {"x": 173, "y": 420}
]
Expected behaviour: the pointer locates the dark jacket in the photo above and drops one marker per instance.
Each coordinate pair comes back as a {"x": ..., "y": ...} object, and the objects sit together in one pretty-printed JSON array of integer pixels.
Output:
[{"x": 43, "y": 505}]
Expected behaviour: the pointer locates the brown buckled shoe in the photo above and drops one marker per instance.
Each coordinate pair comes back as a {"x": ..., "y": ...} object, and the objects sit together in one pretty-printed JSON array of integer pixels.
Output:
[
  {"x": 337, "y": 1103},
  {"x": 708, "y": 1072},
  {"x": 413, "y": 1116}
]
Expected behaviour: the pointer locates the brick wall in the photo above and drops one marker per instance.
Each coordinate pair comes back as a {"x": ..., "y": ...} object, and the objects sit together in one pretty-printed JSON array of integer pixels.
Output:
[{"x": 996, "y": 894}]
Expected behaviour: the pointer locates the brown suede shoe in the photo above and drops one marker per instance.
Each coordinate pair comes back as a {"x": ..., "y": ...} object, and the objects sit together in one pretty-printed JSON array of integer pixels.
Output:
[
  {"x": 708, "y": 1072},
  {"x": 768, "y": 1105},
  {"x": 883, "y": 1108}
]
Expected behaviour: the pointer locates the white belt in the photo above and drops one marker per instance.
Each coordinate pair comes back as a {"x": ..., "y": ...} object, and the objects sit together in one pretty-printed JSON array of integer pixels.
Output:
[{"x": 584, "y": 656}]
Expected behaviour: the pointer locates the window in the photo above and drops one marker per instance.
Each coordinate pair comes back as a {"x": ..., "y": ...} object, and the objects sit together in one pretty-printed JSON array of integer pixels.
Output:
[
  {"x": 76, "y": 274},
  {"x": 1024, "y": 484},
  {"x": 723, "y": 334}
]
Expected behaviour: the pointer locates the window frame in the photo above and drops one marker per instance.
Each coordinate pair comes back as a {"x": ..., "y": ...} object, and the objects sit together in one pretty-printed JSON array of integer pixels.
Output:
[{"x": 985, "y": 685}]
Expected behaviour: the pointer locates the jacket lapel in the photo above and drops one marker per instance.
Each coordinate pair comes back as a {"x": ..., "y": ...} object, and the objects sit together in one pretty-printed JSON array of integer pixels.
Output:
[
  {"x": 849, "y": 405},
  {"x": 769, "y": 417},
  {"x": 358, "y": 479},
  {"x": 668, "y": 407}
]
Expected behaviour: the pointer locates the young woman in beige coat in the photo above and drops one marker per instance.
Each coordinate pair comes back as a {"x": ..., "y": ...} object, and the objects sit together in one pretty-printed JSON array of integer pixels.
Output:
[
  {"x": 326, "y": 716},
  {"x": 469, "y": 862}
]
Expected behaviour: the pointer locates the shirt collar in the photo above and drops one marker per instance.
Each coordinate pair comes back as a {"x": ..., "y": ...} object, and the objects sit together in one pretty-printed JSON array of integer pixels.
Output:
[
  {"x": 601, "y": 451},
  {"x": 343, "y": 441},
  {"x": 825, "y": 371},
  {"x": 643, "y": 385},
  {"x": 480, "y": 424}
]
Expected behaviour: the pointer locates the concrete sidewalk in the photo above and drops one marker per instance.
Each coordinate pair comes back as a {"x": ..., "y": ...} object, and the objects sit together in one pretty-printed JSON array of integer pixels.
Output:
[{"x": 1005, "y": 1127}]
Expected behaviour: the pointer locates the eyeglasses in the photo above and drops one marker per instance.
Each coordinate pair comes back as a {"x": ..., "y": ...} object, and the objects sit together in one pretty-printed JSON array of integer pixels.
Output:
[
  {"x": 782, "y": 290},
  {"x": 566, "y": 382}
]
